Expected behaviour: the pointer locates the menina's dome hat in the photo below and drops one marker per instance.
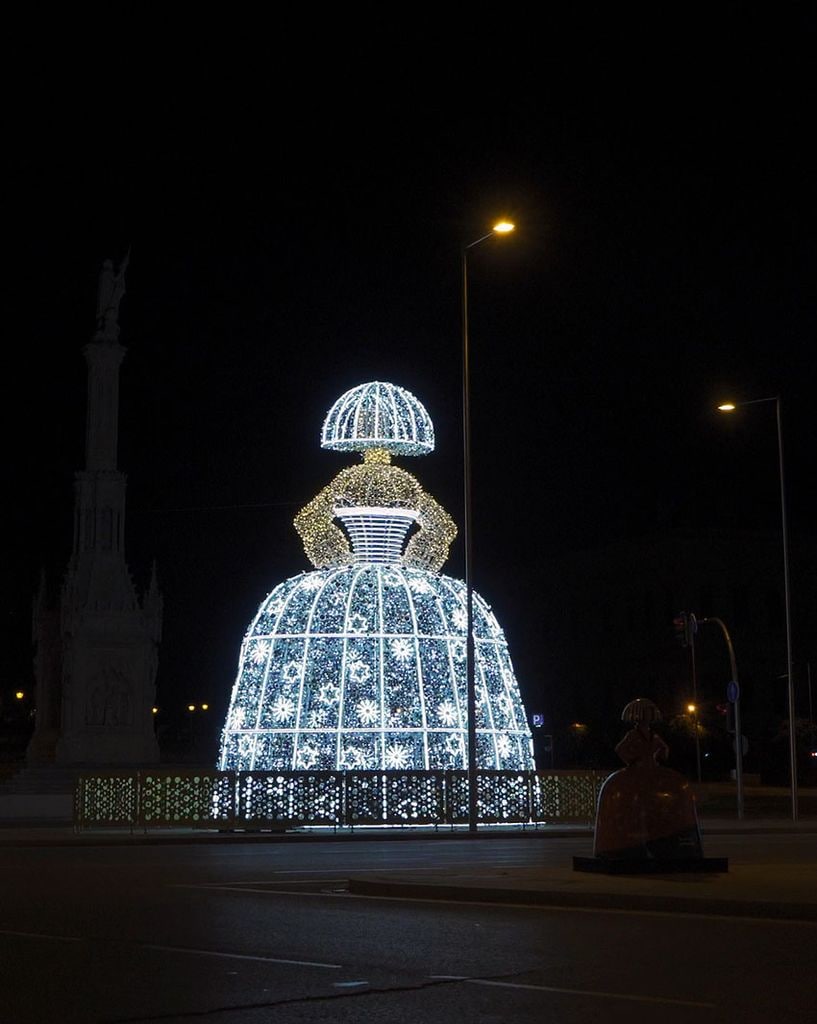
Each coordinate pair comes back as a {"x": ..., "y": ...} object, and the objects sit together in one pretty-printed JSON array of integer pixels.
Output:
[
  {"x": 641, "y": 710},
  {"x": 378, "y": 415}
]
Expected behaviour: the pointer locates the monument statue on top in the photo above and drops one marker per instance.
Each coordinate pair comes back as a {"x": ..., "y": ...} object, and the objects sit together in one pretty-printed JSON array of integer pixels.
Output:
[{"x": 110, "y": 290}]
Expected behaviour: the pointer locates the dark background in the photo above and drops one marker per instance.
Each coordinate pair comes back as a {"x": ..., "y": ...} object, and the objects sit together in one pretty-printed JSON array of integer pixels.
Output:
[{"x": 295, "y": 218}]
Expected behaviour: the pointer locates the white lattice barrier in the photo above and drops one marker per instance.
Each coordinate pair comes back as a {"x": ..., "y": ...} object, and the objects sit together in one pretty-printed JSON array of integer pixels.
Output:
[
  {"x": 192, "y": 799},
  {"x": 502, "y": 797},
  {"x": 291, "y": 799},
  {"x": 565, "y": 795},
  {"x": 395, "y": 798},
  {"x": 106, "y": 799}
]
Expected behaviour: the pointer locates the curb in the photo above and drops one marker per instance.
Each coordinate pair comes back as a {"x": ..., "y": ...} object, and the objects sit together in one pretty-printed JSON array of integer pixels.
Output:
[
  {"x": 767, "y": 909},
  {"x": 123, "y": 837},
  {"x": 193, "y": 838}
]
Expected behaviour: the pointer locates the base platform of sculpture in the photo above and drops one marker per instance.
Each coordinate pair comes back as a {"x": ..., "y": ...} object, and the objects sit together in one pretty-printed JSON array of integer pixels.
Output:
[{"x": 651, "y": 865}]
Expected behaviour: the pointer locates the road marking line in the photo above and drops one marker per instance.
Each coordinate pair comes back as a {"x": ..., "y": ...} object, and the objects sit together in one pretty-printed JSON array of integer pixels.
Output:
[
  {"x": 241, "y": 956},
  {"x": 40, "y": 935},
  {"x": 572, "y": 991},
  {"x": 355, "y": 870},
  {"x": 500, "y": 904},
  {"x": 270, "y": 891},
  {"x": 255, "y": 881}
]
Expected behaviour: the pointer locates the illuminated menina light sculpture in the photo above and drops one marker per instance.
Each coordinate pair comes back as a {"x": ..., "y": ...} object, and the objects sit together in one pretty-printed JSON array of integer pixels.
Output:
[{"x": 360, "y": 663}]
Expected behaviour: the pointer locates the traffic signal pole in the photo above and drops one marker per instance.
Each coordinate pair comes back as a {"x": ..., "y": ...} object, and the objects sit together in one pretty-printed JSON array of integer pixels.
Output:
[
  {"x": 738, "y": 732},
  {"x": 697, "y": 719},
  {"x": 686, "y": 626}
]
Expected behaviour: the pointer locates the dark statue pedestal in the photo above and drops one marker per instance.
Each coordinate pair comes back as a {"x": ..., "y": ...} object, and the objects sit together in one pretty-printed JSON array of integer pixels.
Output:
[{"x": 651, "y": 865}]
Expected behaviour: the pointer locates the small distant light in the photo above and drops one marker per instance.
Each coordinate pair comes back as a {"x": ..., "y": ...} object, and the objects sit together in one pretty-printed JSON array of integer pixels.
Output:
[
  {"x": 814, "y": 753},
  {"x": 503, "y": 227},
  {"x": 691, "y": 707},
  {"x": 727, "y": 407},
  {"x": 205, "y": 707},
  {"x": 19, "y": 695},
  {"x": 155, "y": 711},
  {"x": 191, "y": 707}
]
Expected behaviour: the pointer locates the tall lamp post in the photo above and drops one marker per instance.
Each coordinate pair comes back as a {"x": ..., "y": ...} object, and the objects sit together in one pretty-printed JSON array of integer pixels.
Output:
[
  {"x": 502, "y": 227},
  {"x": 730, "y": 407}
]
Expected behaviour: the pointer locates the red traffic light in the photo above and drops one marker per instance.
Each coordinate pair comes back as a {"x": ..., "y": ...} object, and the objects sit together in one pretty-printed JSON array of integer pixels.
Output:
[
  {"x": 680, "y": 624},
  {"x": 686, "y": 626}
]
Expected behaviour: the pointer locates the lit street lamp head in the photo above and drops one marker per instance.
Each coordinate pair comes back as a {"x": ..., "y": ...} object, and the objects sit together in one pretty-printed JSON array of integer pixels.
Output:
[
  {"x": 731, "y": 406},
  {"x": 502, "y": 227}
]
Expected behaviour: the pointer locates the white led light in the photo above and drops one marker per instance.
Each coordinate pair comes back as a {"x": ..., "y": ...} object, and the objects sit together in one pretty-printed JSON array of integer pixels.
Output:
[
  {"x": 377, "y": 534},
  {"x": 378, "y": 415},
  {"x": 360, "y": 664}
]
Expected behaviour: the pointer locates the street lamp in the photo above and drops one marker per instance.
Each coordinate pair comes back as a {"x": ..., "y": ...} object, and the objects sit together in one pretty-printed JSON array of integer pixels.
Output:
[
  {"x": 730, "y": 407},
  {"x": 502, "y": 227}
]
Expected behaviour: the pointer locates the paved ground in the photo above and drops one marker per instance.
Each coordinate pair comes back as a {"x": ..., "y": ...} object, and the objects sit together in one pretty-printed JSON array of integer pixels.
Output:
[
  {"x": 783, "y": 887},
  {"x": 180, "y": 926}
]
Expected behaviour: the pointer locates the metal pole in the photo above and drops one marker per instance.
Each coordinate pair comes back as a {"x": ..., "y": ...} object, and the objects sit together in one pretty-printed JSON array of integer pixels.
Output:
[
  {"x": 787, "y": 595},
  {"x": 695, "y": 698},
  {"x": 470, "y": 645},
  {"x": 471, "y": 701},
  {"x": 738, "y": 734}
]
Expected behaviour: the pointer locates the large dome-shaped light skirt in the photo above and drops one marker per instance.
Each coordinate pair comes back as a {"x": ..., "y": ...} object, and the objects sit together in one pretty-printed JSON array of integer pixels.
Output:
[{"x": 363, "y": 667}]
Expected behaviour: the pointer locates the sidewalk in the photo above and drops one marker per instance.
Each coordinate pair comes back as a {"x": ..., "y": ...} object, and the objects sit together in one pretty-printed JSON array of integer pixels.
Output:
[{"x": 782, "y": 888}]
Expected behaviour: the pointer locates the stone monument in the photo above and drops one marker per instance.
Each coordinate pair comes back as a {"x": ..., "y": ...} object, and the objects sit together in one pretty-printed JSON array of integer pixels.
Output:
[{"x": 96, "y": 645}]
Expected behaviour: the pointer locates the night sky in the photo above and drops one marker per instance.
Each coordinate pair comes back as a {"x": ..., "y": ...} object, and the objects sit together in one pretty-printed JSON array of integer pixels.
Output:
[{"x": 299, "y": 234}]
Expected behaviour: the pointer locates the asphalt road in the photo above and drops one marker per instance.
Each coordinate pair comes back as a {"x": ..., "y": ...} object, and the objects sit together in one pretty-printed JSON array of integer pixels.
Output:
[{"x": 254, "y": 932}]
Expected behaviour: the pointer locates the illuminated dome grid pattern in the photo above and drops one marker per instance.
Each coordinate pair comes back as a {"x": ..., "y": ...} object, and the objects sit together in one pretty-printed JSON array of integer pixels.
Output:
[
  {"x": 363, "y": 667},
  {"x": 378, "y": 415}
]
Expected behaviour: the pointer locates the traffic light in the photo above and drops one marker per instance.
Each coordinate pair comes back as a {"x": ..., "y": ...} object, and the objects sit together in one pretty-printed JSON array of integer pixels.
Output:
[
  {"x": 727, "y": 709},
  {"x": 680, "y": 625}
]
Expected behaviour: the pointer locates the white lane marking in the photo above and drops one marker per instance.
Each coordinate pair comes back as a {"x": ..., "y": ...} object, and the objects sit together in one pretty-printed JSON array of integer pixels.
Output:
[
  {"x": 40, "y": 935},
  {"x": 241, "y": 956},
  {"x": 349, "y": 984},
  {"x": 356, "y": 870},
  {"x": 573, "y": 991},
  {"x": 240, "y": 883},
  {"x": 552, "y": 908},
  {"x": 555, "y": 908},
  {"x": 411, "y": 866},
  {"x": 270, "y": 891}
]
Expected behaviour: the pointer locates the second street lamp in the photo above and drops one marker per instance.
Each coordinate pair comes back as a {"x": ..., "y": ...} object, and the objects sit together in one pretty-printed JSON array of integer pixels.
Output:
[
  {"x": 730, "y": 407},
  {"x": 502, "y": 227}
]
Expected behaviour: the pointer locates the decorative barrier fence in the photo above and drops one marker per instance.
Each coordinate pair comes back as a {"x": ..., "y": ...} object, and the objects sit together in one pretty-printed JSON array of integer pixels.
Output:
[{"x": 166, "y": 798}]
